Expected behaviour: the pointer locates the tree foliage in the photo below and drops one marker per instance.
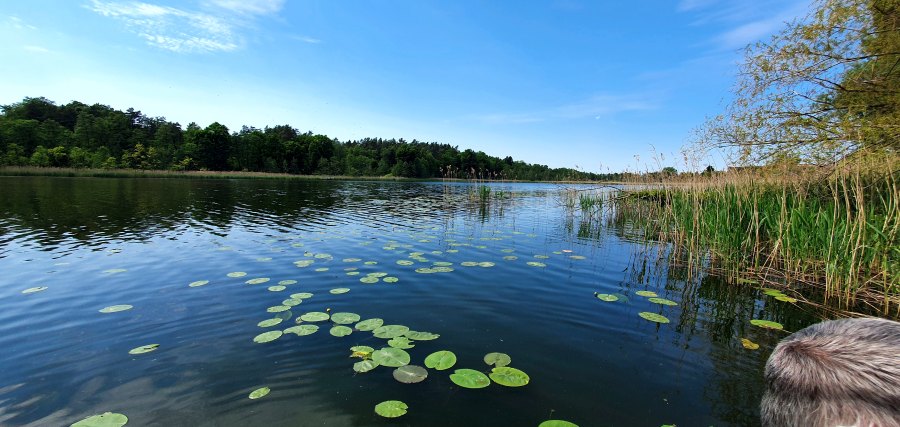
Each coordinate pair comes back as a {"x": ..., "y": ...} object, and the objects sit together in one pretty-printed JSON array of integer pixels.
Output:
[{"x": 822, "y": 89}]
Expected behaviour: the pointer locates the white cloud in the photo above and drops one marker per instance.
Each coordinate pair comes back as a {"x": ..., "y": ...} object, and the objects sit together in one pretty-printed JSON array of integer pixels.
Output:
[
  {"x": 254, "y": 7},
  {"x": 17, "y": 23},
  {"x": 686, "y": 5},
  {"x": 307, "y": 39},
  {"x": 594, "y": 107}
]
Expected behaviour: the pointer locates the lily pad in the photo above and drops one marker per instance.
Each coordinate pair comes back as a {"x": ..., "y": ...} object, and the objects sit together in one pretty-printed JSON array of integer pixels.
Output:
[
  {"x": 338, "y": 291},
  {"x": 749, "y": 345},
  {"x": 662, "y": 301},
  {"x": 260, "y": 392},
  {"x": 267, "y": 337},
  {"x": 369, "y": 279},
  {"x": 405, "y": 262},
  {"x": 509, "y": 377},
  {"x": 143, "y": 349},
  {"x": 772, "y": 292},
  {"x": 577, "y": 257},
  {"x": 321, "y": 269},
  {"x": 290, "y": 302},
  {"x": 653, "y": 317},
  {"x": 287, "y": 282},
  {"x": 390, "y": 279},
  {"x": 365, "y": 366},
  {"x": 236, "y": 274},
  {"x": 421, "y": 336},
  {"x": 410, "y": 374},
  {"x": 470, "y": 378},
  {"x": 344, "y": 318},
  {"x": 786, "y": 298},
  {"x": 369, "y": 324},
  {"x": 315, "y": 316},
  {"x": 340, "y": 331},
  {"x": 106, "y": 419},
  {"x": 768, "y": 324},
  {"x": 606, "y": 297},
  {"x": 257, "y": 281},
  {"x": 390, "y": 356},
  {"x": 497, "y": 359},
  {"x": 486, "y": 264},
  {"x": 391, "y": 408},
  {"x": 536, "y": 264},
  {"x": 510, "y": 258},
  {"x": 269, "y": 322},
  {"x": 557, "y": 423},
  {"x": 646, "y": 293},
  {"x": 425, "y": 270},
  {"x": 401, "y": 342},
  {"x": 301, "y": 295},
  {"x": 469, "y": 264},
  {"x": 371, "y": 263},
  {"x": 198, "y": 283},
  {"x": 116, "y": 308},
  {"x": 278, "y": 308},
  {"x": 390, "y": 331},
  {"x": 277, "y": 288},
  {"x": 301, "y": 330},
  {"x": 362, "y": 349},
  {"x": 353, "y": 273},
  {"x": 441, "y": 360},
  {"x": 34, "y": 289}
]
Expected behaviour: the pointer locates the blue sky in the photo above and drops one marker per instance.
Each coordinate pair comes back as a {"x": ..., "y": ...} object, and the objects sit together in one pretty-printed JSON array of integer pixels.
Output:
[{"x": 601, "y": 85}]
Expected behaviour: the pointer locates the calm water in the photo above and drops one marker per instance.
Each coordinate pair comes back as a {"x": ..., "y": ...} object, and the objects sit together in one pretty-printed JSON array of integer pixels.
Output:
[{"x": 591, "y": 362}]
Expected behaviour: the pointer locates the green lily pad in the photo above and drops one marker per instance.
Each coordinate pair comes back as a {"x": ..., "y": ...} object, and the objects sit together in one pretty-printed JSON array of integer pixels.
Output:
[
  {"x": 421, "y": 336},
  {"x": 469, "y": 264},
  {"x": 353, "y": 273},
  {"x": 260, "y": 392},
  {"x": 369, "y": 279},
  {"x": 390, "y": 279},
  {"x": 315, "y": 316},
  {"x": 441, "y": 269},
  {"x": 606, "y": 297},
  {"x": 236, "y": 274},
  {"x": 352, "y": 260},
  {"x": 198, "y": 283},
  {"x": 291, "y": 302},
  {"x": 267, "y": 337},
  {"x": 362, "y": 349},
  {"x": 577, "y": 257},
  {"x": 301, "y": 330},
  {"x": 370, "y": 262},
  {"x": 257, "y": 281},
  {"x": 369, "y": 324},
  {"x": 269, "y": 322},
  {"x": 287, "y": 282},
  {"x": 486, "y": 264},
  {"x": 301, "y": 295},
  {"x": 425, "y": 270},
  {"x": 321, "y": 269},
  {"x": 390, "y": 331},
  {"x": 410, "y": 374},
  {"x": 390, "y": 356},
  {"x": 106, "y": 419},
  {"x": 662, "y": 301},
  {"x": 338, "y": 291},
  {"x": 536, "y": 264},
  {"x": 364, "y": 366},
  {"x": 340, "y": 331},
  {"x": 768, "y": 324},
  {"x": 510, "y": 258},
  {"x": 442, "y": 264},
  {"x": 509, "y": 377},
  {"x": 557, "y": 423},
  {"x": 143, "y": 349},
  {"x": 441, "y": 360},
  {"x": 653, "y": 317},
  {"x": 497, "y": 359},
  {"x": 401, "y": 342},
  {"x": 646, "y": 293},
  {"x": 405, "y": 262},
  {"x": 277, "y": 288},
  {"x": 379, "y": 274},
  {"x": 391, "y": 408},
  {"x": 344, "y": 318},
  {"x": 542, "y": 256},
  {"x": 116, "y": 308},
  {"x": 34, "y": 289},
  {"x": 786, "y": 298},
  {"x": 304, "y": 263},
  {"x": 470, "y": 378},
  {"x": 278, "y": 308}
]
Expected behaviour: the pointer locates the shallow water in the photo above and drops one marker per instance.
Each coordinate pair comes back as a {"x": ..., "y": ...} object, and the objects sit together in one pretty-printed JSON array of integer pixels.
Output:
[{"x": 591, "y": 362}]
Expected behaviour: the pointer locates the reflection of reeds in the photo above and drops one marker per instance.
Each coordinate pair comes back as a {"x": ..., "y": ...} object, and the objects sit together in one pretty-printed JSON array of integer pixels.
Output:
[{"x": 837, "y": 229}]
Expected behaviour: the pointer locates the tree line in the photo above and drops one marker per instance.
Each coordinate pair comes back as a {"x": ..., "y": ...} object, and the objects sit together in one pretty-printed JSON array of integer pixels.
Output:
[{"x": 38, "y": 132}]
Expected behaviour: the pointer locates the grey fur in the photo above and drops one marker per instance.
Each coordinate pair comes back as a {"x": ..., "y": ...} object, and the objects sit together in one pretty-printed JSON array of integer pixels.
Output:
[{"x": 835, "y": 373}]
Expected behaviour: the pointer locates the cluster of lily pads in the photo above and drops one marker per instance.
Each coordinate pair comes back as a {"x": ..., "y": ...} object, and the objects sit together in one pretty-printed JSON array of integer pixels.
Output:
[{"x": 651, "y": 297}]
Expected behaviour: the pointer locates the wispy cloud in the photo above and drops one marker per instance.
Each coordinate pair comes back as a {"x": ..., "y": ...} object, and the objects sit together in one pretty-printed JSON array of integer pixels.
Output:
[
  {"x": 307, "y": 39},
  {"x": 746, "y": 21},
  {"x": 594, "y": 107},
  {"x": 17, "y": 23},
  {"x": 686, "y": 5},
  {"x": 216, "y": 29}
]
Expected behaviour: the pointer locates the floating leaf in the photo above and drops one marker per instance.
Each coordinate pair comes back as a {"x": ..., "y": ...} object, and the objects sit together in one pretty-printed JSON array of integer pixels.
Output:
[
  {"x": 749, "y": 345},
  {"x": 421, "y": 336},
  {"x": 786, "y": 298},
  {"x": 486, "y": 264},
  {"x": 541, "y": 256},
  {"x": 322, "y": 269},
  {"x": 390, "y": 331},
  {"x": 577, "y": 257},
  {"x": 116, "y": 308},
  {"x": 301, "y": 330},
  {"x": 352, "y": 260},
  {"x": 557, "y": 423},
  {"x": 290, "y": 302},
  {"x": 405, "y": 262},
  {"x": 301, "y": 295},
  {"x": 470, "y": 378},
  {"x": 340, "y": 331},
  {"x": 510, "y": 257},
  {"x": 278, "y": 308},
  {"x": 362, "y": 349},
  {"x": 368, "y": 279},
  {"x": 441, "y": 360},
  {"x": 338, "y": 291},
  {"x": 198, "y": 283},
  {"x": 442, "y": 264},
  {"x": 315, "y": 316},
  {"x": 441, "y": 269},
  {"x": 267, "y": 337},
  {"x": 468, "y": 264},
  {"x": 509, "y": 377},
  {"x": 277, "y": 288},
  {"x": 287, "y": 282},
  {"x": 365, "y": 366},
  {"x": 606, "y": 297},
  {"x": 34, "y": 289},
  {"x": 410, "y": 374},
  {"x": 390, "y": 279},
  {"x": 653, "y": 317},
  {"x": 497, "y": 359},
  {"x": 369, "y": 324},
  {"x": 390, "y": 356},
  {"x": 353, "y": 273},
  {"x": 646, "y": 293},
  {"x": 269, "y": 322},
  {"x": 662, "y": 301},
  {"x": 344, "y": 318},
  {"x": 401, "y": 342},
  {"x": 391, "y": 408},
  {"x": 378, "y": 274},
  {"x": 260, "y": 392},
  {"x": 746, "y": 281},
  {"x": 143, "y": 349},
  {"x": 426, "y": 270},
  {"x": 370, "y": 262},
  {"x": 106, "y": 419},
  {"x": 772, "y": 292},
  {"x": 257, "y": 281},
  {"x": 768, "y": 324},
  {"x": 536, "y": 264}
]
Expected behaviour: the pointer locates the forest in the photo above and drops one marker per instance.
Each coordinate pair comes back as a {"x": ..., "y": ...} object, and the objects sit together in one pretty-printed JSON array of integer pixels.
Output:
[{"x": 39, "y": 133}]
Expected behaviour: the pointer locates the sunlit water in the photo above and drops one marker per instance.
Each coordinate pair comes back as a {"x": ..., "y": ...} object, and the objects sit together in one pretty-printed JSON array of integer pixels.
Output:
[{"x": 590, "y": 362}]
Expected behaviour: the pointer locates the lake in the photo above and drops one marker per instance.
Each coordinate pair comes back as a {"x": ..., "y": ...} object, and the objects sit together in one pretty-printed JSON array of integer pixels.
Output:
[{"x": 517, "y": 275}]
